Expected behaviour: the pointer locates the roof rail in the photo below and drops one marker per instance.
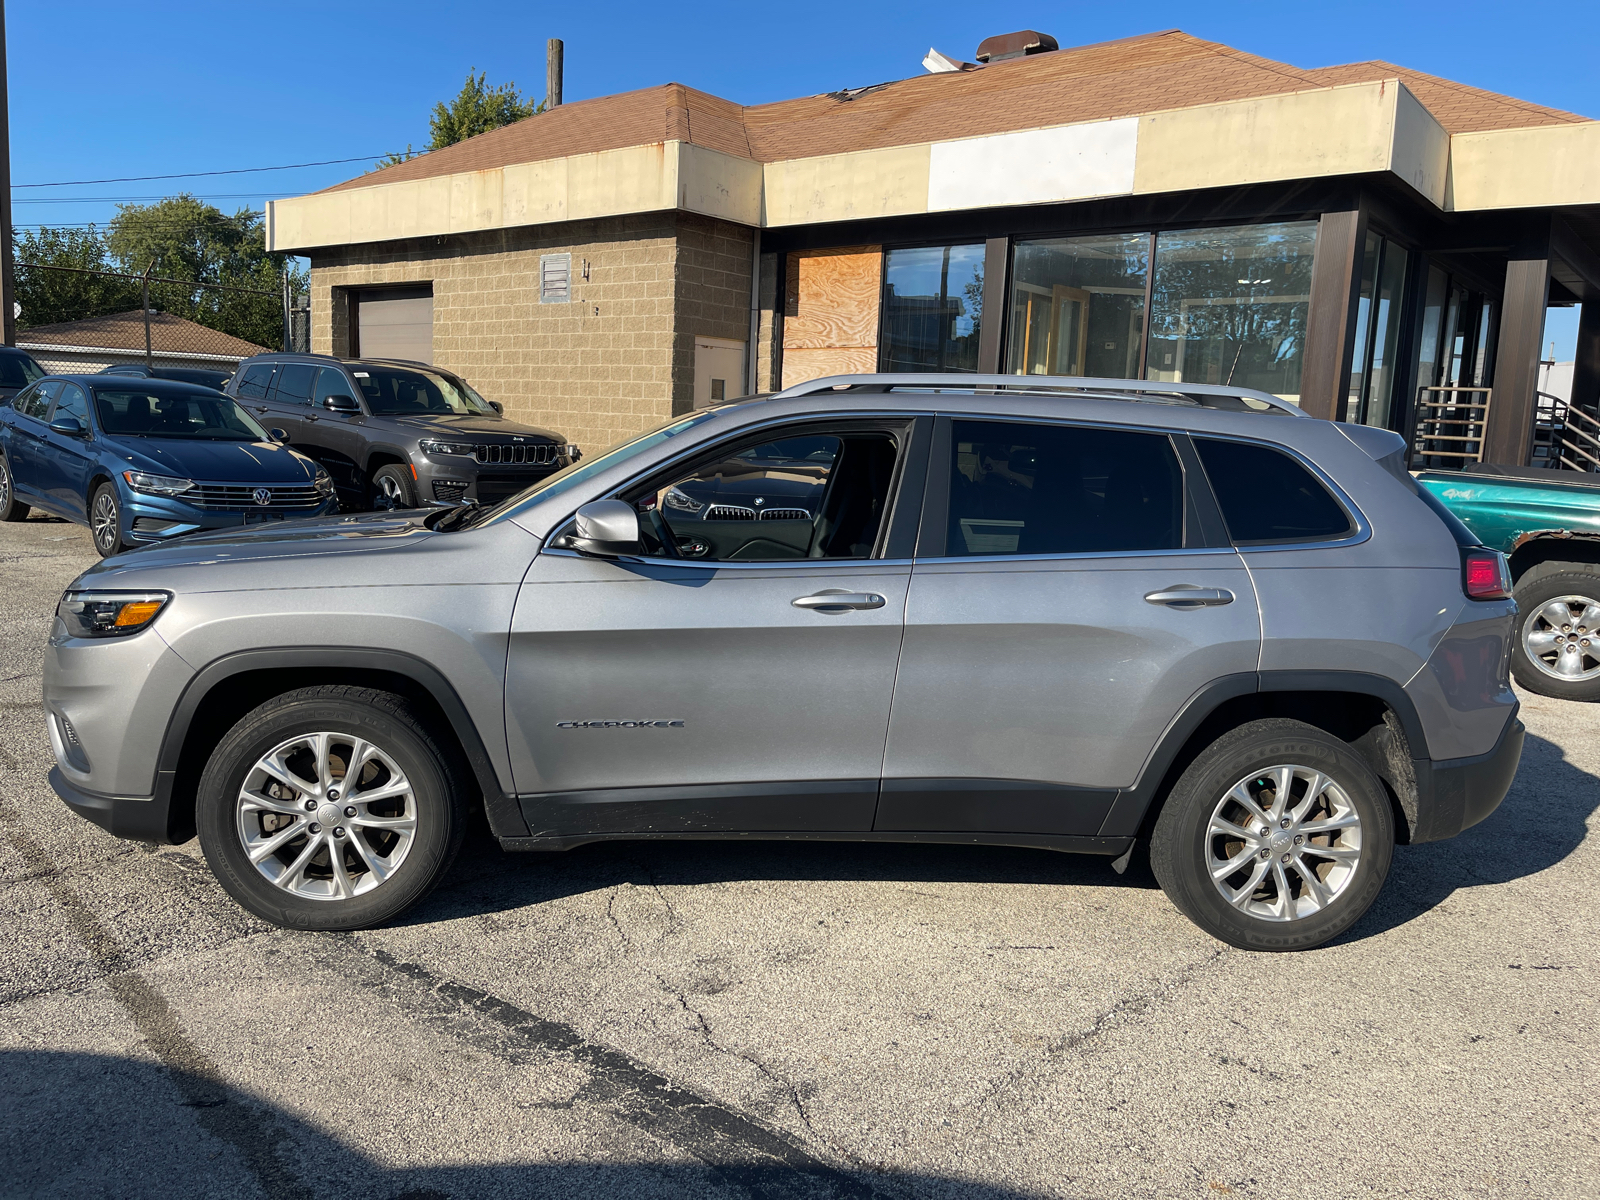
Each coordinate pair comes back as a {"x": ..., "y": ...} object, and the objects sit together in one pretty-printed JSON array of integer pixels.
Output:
[{"x": 1204, "y": 395}]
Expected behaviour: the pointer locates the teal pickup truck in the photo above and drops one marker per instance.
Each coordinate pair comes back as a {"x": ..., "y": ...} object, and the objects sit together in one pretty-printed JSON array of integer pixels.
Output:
[{"x": 1548, "y": 524}]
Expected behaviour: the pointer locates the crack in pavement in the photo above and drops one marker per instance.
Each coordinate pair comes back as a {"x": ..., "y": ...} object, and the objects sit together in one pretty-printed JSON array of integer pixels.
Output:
[
  {"x": 765, "y": 1162},
  {"x": 252, "y": 1133}
]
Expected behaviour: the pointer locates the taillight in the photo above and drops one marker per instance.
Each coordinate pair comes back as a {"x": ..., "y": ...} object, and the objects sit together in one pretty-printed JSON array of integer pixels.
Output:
[{"x": 1484, "y": 575}]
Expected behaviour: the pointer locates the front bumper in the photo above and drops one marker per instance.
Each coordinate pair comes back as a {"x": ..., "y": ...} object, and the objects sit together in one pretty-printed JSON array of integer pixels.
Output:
[
  {"x": 1455, "y": 794},
  {"x": 143, "y": 818},
  {"x": 147, "y": 519}
]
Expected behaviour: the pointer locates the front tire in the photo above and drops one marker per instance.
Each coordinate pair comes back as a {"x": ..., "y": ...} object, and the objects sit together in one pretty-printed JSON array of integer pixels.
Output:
[
  {"x": 1278, "y": 837},
  {"x": 1557, "y": 647},
  {"x": 393, "y": 487},
  {"x": 105, "y": 520},
  {"x": 11, "y": 509},
  {"x": 295, "y": 841}
]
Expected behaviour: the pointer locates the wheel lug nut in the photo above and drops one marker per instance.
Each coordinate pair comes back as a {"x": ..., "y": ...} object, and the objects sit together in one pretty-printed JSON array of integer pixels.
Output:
[
  {"x": 338, "y": 831},
  {"x": 1265, "y": 832},
  {"x": 1265, "y": 853},
  {"x": 350, "y": 811},
  {"x": 315, "y": 828},
  {"x": 311, "y": 806},
  {"x": 1299, "y": 838},
  {"x": 333, "y": 793},
  {"x": 1283, "y": 824},
  {"x": 1285, "y": 858}
]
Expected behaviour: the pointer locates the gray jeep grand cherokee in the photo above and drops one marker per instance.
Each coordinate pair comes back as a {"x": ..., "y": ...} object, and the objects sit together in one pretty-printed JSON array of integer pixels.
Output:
[
  {"x": 396, "y": 434},
  {"x": 1063, "y": 613}
]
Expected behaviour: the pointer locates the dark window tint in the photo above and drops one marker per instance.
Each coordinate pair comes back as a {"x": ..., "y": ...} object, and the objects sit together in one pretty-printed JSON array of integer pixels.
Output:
[
  {"x": 294, "y": 383},
  {"x": 72, "y": 403},
  {"x": 1266, "y": 496},
  {"x": 1062, "y": 489},
  {"x": 331, "y": 383},
  {"x": 255, "y": 381},
  {"x": 37, "y": 403},
  {"x": 18, "y": 370},
  {"x": 195, "y": 415}
]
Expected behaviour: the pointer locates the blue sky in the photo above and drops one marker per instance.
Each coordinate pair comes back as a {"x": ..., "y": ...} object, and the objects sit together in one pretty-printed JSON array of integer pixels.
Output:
[{"x": 100, "y": 90}]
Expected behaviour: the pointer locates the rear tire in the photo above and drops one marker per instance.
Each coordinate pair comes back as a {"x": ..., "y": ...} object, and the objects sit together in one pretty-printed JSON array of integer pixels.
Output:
[
  {"x": 1306, "y": 864},
  {"x": 11, "y": 509},
  {"x": 293, "y": 842},
  {"x": 393, "y": 487},
  {"x": 105, "y": 520},
  {"x": 1556, "y": 651}
]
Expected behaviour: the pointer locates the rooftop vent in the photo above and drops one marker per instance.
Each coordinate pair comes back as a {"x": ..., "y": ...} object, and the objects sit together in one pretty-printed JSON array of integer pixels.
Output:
[
  {"x": 941, "y": 64},
  {"x": 1014, "y": 45}
]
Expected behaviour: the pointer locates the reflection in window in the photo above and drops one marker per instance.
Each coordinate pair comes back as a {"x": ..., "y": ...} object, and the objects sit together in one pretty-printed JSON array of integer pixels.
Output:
[
  {"x": 1061, "y": 489},
  {"x": 1077, "y": 306},
  {"x": 1229, "y": 306},
  {"x": 932, "y": 308},
  {"x": 1377, "y": 336}
]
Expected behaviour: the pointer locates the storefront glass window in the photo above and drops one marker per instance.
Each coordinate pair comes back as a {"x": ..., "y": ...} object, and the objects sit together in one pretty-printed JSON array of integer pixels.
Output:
[
  {"x": 1374, "y": 364},
  {"x": 1230, "y": 305},
  {"x": 1432, "y": 346},
  {"x": 1077, "y": 306},
  {"x": 932, "y": 308}
]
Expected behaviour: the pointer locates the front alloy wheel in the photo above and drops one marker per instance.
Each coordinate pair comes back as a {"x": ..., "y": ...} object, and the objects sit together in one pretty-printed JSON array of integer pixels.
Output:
[
  {"x": 331, "y": 807},
  {"x": 105, "y": 520}
]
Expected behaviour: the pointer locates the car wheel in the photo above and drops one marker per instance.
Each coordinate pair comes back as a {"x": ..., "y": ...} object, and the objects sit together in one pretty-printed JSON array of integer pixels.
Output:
[
  {"x": 330, "y": 807},
  {"x": 393, "y": 487},
  {"x": 105, "y": 520},
  {"x": 1278, "y": 837},
  {"x": 1557, "y": 648},
  {"x": 11, "y": 509}
]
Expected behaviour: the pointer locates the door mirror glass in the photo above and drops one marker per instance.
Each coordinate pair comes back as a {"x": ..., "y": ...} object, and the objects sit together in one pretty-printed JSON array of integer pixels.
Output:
[
  {"x": 278, "y": 435},
  {"x": 607, "y": 528},
  {"x": 498, "y": 407},
  {"x": 68, "y": 425},
  {"x": 340, "y": 404}
]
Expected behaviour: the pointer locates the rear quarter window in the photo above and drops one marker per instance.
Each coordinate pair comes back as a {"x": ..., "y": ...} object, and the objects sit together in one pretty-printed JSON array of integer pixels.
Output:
[{"x": 1269, "y": 497}]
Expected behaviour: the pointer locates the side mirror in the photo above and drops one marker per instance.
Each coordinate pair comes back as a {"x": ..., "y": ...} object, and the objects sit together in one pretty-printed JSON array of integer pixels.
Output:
[
  {"x": 606, "y": 529},
  {"x": 498, "y": 407},
  {"x": 68, "y": 426},
  {"x": 279, "y": 435},
  {"x": 340, "y": 404}
]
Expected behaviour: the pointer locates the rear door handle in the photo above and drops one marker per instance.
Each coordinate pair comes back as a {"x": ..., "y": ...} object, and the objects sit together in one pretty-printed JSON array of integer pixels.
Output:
[
  {"x": 1188, "y": 595},
  {"x": 838, "y": 602}
]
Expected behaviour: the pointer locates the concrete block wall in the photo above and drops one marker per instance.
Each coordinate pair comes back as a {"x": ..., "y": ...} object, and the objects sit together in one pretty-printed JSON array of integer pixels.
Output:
[{"x": 712, "y": 294}]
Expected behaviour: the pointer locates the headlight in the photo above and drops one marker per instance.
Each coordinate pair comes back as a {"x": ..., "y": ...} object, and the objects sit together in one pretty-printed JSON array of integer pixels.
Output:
[
  {"x": 323, "y": 483},
  {"x": 572, "y": 452},
  {"x": 159, "y": 485},
  {"x": 109, "y": 614},
  {"x": 449, "y": 447},
  {"x": 682, "y": 501}
]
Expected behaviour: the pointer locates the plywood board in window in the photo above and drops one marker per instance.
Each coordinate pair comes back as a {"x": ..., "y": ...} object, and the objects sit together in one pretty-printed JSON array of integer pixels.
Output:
[
  {"x": 802, "y": 366},
  {"x": 832, "y": 300}
]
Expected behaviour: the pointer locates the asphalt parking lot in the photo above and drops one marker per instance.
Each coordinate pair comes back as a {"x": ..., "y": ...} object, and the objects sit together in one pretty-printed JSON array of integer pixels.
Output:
[{"x": 786, "y": 1020}]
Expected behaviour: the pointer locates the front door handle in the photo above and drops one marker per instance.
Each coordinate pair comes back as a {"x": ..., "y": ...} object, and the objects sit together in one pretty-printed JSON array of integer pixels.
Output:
[
  {"x": 838, "y": 602},
  {"x": 1188, "y": 595},
  {"x": 262, "y": 408}
]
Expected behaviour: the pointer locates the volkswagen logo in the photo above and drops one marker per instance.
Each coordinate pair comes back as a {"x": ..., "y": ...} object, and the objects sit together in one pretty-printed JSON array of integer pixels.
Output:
[{"x": 262, "y": 496}]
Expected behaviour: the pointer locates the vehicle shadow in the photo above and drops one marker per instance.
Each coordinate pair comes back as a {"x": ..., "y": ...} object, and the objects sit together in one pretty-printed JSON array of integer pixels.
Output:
[
  {"x": 92, "y": 1125},
  {"x": 1542, "y": 820}
]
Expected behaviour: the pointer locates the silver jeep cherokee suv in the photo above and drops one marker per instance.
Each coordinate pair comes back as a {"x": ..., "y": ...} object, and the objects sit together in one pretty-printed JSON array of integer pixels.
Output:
[{"x": 1062, "y": 613}]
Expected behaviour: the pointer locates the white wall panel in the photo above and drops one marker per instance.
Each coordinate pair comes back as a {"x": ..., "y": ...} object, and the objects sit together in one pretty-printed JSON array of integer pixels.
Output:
[{"x": 1038, "y": 166}]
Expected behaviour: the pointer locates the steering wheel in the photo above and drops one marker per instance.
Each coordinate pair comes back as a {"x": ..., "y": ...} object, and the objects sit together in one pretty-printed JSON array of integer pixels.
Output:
[{"x": 662, "y": 532}]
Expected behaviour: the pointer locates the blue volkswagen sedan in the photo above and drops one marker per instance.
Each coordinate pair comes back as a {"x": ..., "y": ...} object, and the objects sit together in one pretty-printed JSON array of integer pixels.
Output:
[{"x": 144, "y": 460}]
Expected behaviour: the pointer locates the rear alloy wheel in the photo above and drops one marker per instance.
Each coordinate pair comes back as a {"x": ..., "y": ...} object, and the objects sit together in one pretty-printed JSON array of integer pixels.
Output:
[
  {"x": 393, "y": 487},
  {"x": 1557, "y": 651},
  {"x": 330, "y": 808},
  {"x": 1278, "y": 837},
  {"x": 11, "y": 509},
  {"x": 105, "y": 520}
]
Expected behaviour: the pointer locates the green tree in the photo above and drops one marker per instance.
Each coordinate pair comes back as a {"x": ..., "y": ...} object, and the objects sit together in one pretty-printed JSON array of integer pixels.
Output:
[
  {"x": 48, "y": 296},
  {"x": 190, "y": 240},
  {"x": 477, "y": 109}
]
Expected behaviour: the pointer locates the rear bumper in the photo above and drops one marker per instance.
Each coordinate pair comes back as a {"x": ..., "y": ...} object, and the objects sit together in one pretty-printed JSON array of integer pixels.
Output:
[
  {"x": 1455, "y": 794},
  {"x": 143, "y": 818}
]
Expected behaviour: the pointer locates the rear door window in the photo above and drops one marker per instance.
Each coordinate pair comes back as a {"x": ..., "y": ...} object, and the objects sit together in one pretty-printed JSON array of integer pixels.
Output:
[
  {"x": 256, "y": 380},
  {"x": 1267, "y": 496},
  {"x": 294, "y": 383},
  {"x": 1019, "y": 488}
]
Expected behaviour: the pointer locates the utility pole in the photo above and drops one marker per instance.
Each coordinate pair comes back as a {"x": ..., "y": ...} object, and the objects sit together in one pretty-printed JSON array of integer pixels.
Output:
[
  {"x": 287, "y": 316},
  {"x": 147, "y": 271},
  {"x": 553, "y": 55},
  {"x": 8, "y": 282}
]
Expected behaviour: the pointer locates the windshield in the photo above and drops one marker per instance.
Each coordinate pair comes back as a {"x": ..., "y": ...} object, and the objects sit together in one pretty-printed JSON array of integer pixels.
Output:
[
  {"x": 400, "y": 391},
  {"x": 18, "y": 370},
  {"x": 570, "y": 477},
  {"x": 138, "y": 413}
]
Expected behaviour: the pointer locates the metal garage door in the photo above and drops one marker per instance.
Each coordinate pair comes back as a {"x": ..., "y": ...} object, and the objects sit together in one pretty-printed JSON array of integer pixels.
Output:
[{"x": 394, "y": 323}]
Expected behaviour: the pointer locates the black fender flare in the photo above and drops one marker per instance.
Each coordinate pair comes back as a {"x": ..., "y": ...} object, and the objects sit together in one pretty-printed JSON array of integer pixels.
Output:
[
  {"x": 504, "y": 814},
  {"x": 1128, "y": 811}
]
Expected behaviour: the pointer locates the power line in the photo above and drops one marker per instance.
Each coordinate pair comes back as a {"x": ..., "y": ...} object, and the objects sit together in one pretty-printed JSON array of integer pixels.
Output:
[
  {"x": 133, "y": 199},
  {"x": 224, "y": 287},
  {"x": 332, "y": 162}
]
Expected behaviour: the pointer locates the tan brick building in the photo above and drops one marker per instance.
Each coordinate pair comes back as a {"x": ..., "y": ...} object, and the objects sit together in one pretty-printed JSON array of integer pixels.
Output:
[{"x": 1363, "y": 240}]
